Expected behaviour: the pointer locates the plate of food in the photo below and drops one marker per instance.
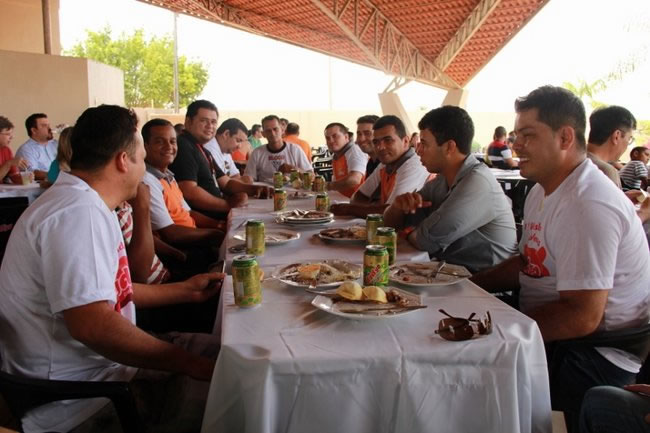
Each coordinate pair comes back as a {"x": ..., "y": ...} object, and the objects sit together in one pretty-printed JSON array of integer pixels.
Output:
[
  {"x": 299, "y": 195},
  {"x": 352, "y": 301},
  {"x": 344, "y": 234},
  {"x": 304, "y": 217},
  {"x": 427, "y": 274},
  {"x": 325, "y": 273},
  {"x": 272, "y": 237}
]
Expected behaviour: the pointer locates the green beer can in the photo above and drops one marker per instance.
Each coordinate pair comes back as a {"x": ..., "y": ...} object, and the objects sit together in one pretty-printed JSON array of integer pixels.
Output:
[
  {"x": 306, "y": 180},
  {"x": 373, "y": 221},
  {"x": 319, "y": 184},
  {"x": 323, "y": 202},
  {"x": 255, "y": 237},
  {"x": 387, "y": 236},
  {"x": 246, "y": 284},
  {"x": 375, "y": 266},
  {"x": 279, "y": 199},
  {"x": 278, "y": 179}
]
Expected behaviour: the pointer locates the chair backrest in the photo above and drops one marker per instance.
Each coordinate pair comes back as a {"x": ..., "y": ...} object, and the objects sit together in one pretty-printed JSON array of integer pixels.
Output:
[{"x": 10, "y": 210}]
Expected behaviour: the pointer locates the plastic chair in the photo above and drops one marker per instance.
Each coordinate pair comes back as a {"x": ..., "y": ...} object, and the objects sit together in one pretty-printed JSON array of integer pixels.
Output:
[{"x": 23, "y": 394}]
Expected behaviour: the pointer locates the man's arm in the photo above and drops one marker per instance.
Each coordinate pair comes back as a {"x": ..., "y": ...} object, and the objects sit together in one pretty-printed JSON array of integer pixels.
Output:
[
  {"x": 205, "y": 222},
  {"x": 108, "y": 333},
  {"x": 200, "y": 198},
  {"x": 234, "y": 186},
  {"x": 351, "y": 180},
  {"x": 511, "y": 162},
  {"x": 15, "y": 162},
  {"x": 576, "y": 314},
  {"x": 140, "y": 250},
  {"x": 502, "y": 278},
  {"x": 193, "y": 290},
  {"x": 403, "y": 205},
  {"x": 188, "y": 236}
]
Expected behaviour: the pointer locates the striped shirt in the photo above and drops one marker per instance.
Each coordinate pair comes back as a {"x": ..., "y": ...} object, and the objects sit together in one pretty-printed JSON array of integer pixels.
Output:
[{"x": 632, "y": 174}]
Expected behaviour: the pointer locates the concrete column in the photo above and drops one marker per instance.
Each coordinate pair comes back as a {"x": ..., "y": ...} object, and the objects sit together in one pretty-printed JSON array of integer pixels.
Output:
[
  {"x": 47, "y": 28},
  {"x": 391, "y": 104},
  {"x": 456, "y": 97}
]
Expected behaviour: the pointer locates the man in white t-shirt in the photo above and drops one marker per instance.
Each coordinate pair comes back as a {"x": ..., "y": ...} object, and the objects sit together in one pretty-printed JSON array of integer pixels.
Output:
[
  {"x": 400, "y": 171},
  {"x": 231, "y": 134},
  {"x": 68, "y": 302},
  {"x": 584, "y": 265},
  {"x": 277, "y": 155},
  {"x": 348, "y": 161}
]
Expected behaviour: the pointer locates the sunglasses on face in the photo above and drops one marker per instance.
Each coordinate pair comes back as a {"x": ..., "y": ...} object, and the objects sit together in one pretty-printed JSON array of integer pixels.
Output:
[{"x": 460, "y": 329}]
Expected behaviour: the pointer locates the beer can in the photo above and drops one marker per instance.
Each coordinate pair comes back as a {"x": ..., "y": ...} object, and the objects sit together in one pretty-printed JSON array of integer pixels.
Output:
[
  {"x": 319, "y": 184},
  {"x": 278, "y": 179},
  {"x": 294, "y": 175},
  {"x": 306, "y": 180},
  {"x": 255, "y": 237},
  {"x": 323, "y": 202},
  {"x": 279, "y": 199},
  {"x": 375, "y": 266},
  {"x": 373, "y": 221},
  {"x": 387, "y": 236},
  {"x": 246, "y": 284}
]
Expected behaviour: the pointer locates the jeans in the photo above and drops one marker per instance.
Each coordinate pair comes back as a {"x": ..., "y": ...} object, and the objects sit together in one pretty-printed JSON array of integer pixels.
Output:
[
  {"x": 607, "y": 409},
  {"x": 576, "y": 371}
]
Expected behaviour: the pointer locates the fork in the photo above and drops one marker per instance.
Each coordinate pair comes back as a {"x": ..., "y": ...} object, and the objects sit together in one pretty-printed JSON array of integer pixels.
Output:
[{"x": 440, "y": 266}]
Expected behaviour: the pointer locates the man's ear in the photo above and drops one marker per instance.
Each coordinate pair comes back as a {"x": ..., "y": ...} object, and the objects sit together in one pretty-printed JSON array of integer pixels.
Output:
[
  {"x": 567, "y": 137},
  {"x": 450, "y": 146},
  {"x": 121, "y": 162}
]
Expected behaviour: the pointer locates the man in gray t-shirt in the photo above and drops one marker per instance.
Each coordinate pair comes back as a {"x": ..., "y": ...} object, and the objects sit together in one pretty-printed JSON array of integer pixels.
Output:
[{"x": 462, "y": 216}]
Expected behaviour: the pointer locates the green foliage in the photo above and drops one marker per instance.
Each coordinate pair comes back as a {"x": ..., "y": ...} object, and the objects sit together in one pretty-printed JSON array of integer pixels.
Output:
[{"x": 148, "y": 67}]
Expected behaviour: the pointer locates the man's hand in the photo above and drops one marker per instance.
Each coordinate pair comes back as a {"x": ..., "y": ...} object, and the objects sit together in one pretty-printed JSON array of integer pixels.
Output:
[
  {"x": 19, "y": 162},
  {"x": 261, "y": 191},
  {"x": 141, "y": 200},
  {"x": 238, "y": 199},
  {"x": 641, "y": 389},
  {"x": 340, "y": 209},
  {"x": 410, "y": 202},
  {"x": 203, "y": 286},
  {"x": 286, "y": 168}
]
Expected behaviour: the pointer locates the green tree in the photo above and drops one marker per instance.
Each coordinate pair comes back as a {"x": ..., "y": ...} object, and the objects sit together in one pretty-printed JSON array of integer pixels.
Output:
[{"x": 148, "y": 67}]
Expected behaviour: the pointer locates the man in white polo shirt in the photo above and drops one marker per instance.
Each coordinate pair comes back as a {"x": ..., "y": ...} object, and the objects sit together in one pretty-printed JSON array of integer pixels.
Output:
[
  {"x": 231, "y": 134},
  {"x": 584, "y": 265},
  {"x": 277, "y": 155},
  {"x": 40, "y": 149},
  {"x": 400, "y": 171}
]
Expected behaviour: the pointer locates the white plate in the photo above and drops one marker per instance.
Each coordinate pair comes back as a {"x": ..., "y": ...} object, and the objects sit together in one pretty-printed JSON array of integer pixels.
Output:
[
  {"x": 338, "y": 264},
  {"x": 300, "y": 195},
  {"x": 344, "y": 240},
  {"x": 320, "y": 216},
  {"x": 303, "y": 224},
  {"x": 327, "y": 304},
  {"x": 273, "y": 237},
  {"x": 450, "y": 274}
]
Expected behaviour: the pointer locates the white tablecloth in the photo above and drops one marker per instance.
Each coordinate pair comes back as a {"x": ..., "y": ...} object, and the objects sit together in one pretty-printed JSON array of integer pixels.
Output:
[
  {"x": 309, "y": 246},
  {"x": 31, "y": 191},
  {"x": 287, "y": 367}
]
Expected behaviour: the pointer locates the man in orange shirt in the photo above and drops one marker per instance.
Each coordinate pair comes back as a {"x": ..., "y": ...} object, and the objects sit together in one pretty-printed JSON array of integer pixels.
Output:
[
  {"x": 171, "y": 217},
  {"x": 292, "y": 133},
  {"x": 348, "y": 160}
]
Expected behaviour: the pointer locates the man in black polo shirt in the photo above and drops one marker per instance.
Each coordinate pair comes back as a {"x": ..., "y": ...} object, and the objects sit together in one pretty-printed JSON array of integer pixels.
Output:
[{"x": 204, "y": 185}]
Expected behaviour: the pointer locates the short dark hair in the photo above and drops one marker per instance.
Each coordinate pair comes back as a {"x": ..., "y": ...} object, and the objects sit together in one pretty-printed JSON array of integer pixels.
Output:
[
  {"x": 368, "y": 118},
  {"x": 450, "y": 123},
  {"x": 283, "y": 120},
  {"x": 500, "y": 131},
  {"x": 344, "y": 129},
  {"x": 254, "y": 129},
  {"x": 100, "y": 133},
  {"x": 270, "y": 117},
  {"x": 556, "y": 107},
  {"x": 293, "y": 128},
  {"x": 31, "y": 121},
  {"x": 5, "y": 123},
  {"x": 232, "y": 125},
  {"x": 194, "y": 107},
  {"x": 389, "y": 120},
  {"x": 179, "y": 128},
  {"x": 604, "y": 121},
  {"x": 637, "y": 150},
  {"x": 146, "y": 129}
]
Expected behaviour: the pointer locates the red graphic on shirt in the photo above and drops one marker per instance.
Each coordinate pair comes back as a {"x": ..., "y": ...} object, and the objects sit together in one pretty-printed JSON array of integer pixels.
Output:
[
  {"x": 123, "y": 285},
  {"x": 535, "y": 262}
]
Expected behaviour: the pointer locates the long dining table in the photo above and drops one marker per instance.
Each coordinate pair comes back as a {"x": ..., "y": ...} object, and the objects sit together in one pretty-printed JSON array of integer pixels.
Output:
[{"x": 286, "y": 366}]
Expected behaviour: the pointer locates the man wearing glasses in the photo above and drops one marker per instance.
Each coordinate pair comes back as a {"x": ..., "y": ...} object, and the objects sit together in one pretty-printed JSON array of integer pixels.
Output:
[
  {"x": 584, "y": 264},
  {"x": 610, "y": 133},
  {"x": 197, "y": 173}
]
